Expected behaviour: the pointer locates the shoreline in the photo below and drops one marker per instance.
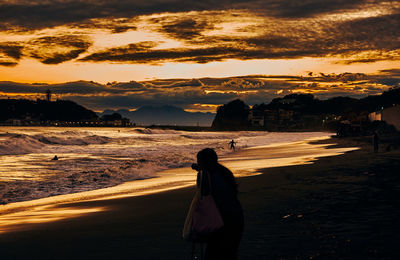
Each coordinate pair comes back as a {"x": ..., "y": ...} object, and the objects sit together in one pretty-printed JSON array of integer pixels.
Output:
[
  {"x": 295, "y": 153},
  {"x": 145, "y": 184},
  {"x": 302, "y": 211},
  {"x": 100, "y": 158}
]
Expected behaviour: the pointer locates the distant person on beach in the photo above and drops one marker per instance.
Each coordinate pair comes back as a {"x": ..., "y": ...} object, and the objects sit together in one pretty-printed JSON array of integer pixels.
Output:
[
  {"x": 224, "y": 243},
  {"x": 55, "y": 158},
  {"x": 376, "y": 142},
  {"x": 232, "y": 144}
]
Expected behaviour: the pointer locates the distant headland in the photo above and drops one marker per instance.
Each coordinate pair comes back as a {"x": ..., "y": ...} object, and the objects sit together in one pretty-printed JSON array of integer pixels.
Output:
[
  {"x": 294, "y": 112},
  {"x": 24, "y": 112},
  {"x": 304, "y": 112}
]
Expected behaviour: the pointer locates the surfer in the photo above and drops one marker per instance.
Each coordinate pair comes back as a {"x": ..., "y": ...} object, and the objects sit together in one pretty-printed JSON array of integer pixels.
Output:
[
  {"x": 55, "y": 158},
  {"x": 232, "y": 144}
]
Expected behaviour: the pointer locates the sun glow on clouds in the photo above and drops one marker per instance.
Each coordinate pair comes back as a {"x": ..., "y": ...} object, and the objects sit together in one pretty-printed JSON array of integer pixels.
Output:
[
  {"x": 106, "y": 42},
  {"x": 172, "y": 32},
  {"x": 367, "y": 10}
]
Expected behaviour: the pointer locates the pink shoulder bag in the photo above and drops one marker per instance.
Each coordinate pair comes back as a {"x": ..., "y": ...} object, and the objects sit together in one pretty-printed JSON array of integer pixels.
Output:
[{"x": 203, "y": 218}]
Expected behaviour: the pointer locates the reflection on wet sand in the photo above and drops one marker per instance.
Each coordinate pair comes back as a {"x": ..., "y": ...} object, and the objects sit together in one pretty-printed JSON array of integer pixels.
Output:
[
  {"x": 19, "y": 220},
  {"x": 284, "y": 154},
  {"x": 17, "y": 216}
]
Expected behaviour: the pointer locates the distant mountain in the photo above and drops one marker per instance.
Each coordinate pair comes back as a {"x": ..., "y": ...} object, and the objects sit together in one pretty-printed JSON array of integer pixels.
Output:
[{"x": 164, "y": 115}]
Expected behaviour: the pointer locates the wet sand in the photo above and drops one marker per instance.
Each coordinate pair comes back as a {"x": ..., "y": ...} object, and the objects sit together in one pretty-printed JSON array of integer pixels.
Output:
[
  {"x": 342, "y": 206},
  {"x": 244, "y": 162}
]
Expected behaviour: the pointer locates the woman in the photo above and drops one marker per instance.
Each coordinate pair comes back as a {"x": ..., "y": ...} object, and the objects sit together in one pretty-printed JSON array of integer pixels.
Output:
[{"x": 225, "y": 242}]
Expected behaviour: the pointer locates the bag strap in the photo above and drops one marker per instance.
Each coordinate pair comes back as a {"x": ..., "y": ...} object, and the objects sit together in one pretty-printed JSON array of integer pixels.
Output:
[{"x": 205, "y": 174}]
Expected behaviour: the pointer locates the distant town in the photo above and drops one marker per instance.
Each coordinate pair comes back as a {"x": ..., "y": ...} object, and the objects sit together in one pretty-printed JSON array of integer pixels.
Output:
[
  {"x": 45, "y": 112},
  {"x": 295, "y": 112},
  {"x": 303, "y": 112}
]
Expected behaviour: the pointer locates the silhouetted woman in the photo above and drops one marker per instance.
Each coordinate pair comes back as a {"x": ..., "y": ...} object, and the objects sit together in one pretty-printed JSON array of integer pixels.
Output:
[{"x": 225, "y": 242}]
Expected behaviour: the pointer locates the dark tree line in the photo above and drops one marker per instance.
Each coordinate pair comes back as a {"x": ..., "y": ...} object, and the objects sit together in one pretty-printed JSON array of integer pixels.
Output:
[
  {"x": 42, "y": 110},
  {"x": 234, "y": 115}
]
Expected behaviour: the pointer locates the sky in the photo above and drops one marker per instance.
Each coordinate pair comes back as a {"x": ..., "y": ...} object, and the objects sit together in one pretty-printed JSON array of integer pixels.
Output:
[{"x": 111, "y": 54}]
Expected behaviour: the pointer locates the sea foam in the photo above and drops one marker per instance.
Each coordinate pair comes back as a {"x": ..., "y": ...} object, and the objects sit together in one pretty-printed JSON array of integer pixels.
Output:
[{"x": 93, "y": 158}]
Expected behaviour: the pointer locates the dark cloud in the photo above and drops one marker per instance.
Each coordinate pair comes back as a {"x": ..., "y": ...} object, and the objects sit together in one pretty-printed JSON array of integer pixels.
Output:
[
  {"x": 37, "y": 14},
  {"x": 285, "y": 29},
  {"x": 389, "y": 81},
  {"x": 71, "y": 88},
  {"x": 8, "y": 63},
  {"x": 114, "y": 25},
  {"x": 122, "y": 28},
  {"x": 11, "y": 49},
  {"x": 211, "y": 91},
  {"x": 183, "y": 28},
  {"x": 57, "y": 49},
  {"x": 131, "y": 85},
  {"x": 304, "y": 8},
  {"x": 72, "y": 41},
  {"x": 56, "y": 58},
  {"x": 188, "y": 83},
  {"x": 176, "y": 83},
  {"x": 242, "y": 84},
  {"x": 392, "y": 72},
  {"x": 10, "y": 53},
  {"x": 342, "y": 77},
  {"x": 134, "y": 54},
  {"x": 46, "y": 49},
  {"x": 356, "y": 40},
  {"x": 41, "y": 14}
]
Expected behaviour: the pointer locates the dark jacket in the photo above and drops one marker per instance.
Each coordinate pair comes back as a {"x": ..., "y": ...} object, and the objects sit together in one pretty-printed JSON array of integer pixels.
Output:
[{"x": 223, "y": 190}]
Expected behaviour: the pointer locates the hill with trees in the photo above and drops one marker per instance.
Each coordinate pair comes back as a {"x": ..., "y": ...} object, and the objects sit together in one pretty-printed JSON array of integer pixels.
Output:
[
  {"x": 231, "y": 116},
  {"x": 301, "y": 112},
  {"x": 43, "y": 111}
]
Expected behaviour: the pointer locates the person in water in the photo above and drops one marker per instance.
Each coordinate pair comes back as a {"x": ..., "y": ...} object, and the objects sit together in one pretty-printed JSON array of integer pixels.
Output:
[
  {"x": 232, "y": 144},
  {"x": 224, "y": 243}
]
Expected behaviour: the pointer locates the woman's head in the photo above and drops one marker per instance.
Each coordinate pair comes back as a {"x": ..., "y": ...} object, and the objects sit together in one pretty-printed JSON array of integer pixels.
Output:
[{"x": 207, "y": 158}]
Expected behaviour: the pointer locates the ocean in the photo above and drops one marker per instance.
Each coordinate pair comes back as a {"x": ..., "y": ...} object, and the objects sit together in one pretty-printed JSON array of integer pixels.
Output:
[{"x": 96, "y": 158}]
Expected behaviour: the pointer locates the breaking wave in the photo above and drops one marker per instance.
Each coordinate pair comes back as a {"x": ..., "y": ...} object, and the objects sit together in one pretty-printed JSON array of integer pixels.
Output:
[
  {"x": 93, "y": 158},
  {"x": 11, "y": 144}
]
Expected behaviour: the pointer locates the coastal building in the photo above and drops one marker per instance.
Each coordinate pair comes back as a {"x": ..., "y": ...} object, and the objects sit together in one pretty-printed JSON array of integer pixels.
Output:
[
  {"x": 272, "y": 118},
  {"x": 285, "y": 115},
  {"x": 271, "y": 115},
  {"x": 256, "y": 117},
  {"x": 390, "y": 115},
  {"x": 14, "y": 122}
]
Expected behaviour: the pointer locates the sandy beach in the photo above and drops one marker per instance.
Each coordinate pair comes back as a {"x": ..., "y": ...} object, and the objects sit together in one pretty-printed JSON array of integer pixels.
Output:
[{"x": 339, "y": 207}]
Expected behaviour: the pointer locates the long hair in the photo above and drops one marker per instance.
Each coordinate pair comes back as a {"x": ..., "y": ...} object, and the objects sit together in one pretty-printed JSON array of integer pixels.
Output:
[
  {"x": 210, "y": 160},
  {"x": 208, "y": 157}
]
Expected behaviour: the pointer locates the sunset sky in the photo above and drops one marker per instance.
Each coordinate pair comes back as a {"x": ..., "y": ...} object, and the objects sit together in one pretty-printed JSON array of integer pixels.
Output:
[{"x": 196, "y": 54}]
